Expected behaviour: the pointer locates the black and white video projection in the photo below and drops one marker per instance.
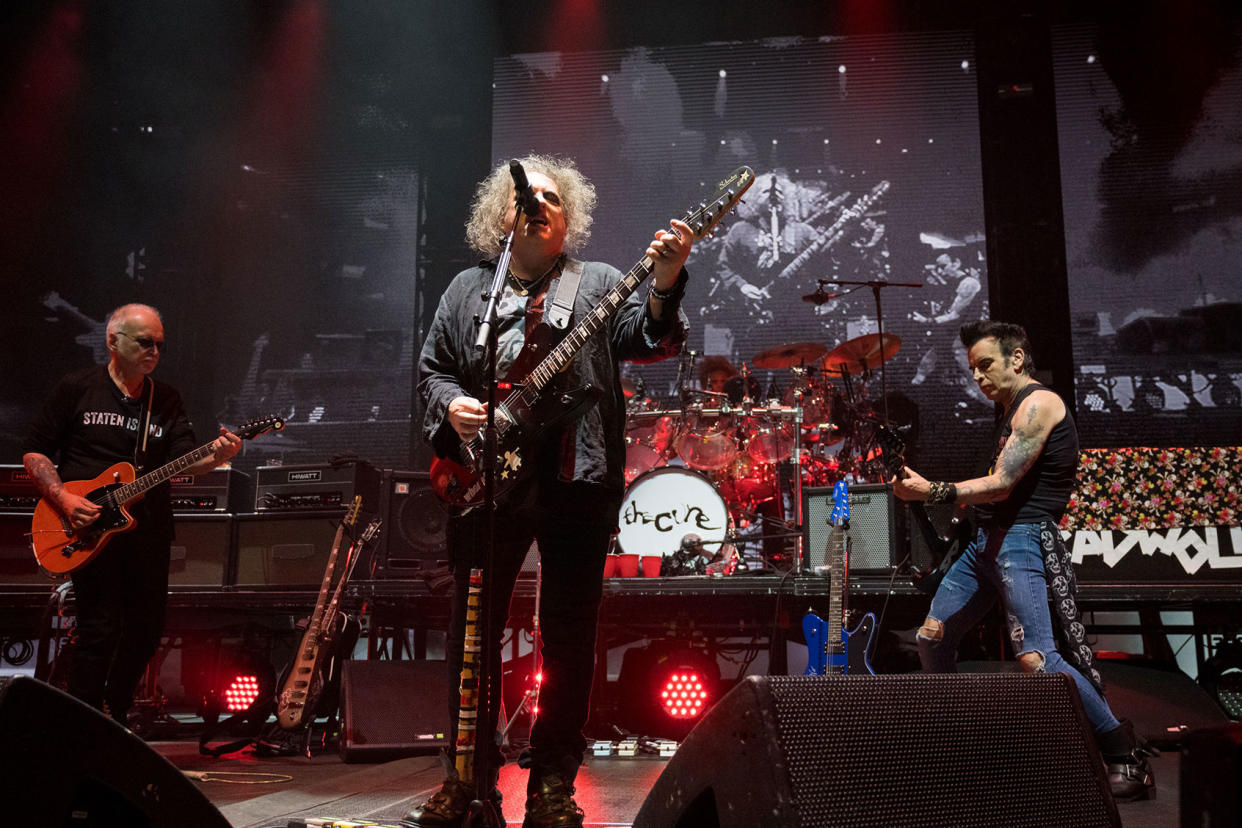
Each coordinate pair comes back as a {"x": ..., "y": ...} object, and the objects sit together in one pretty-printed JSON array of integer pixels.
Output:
[
  {"x": 867, "y": 161},
  {"x": 1150, "y": 122}
]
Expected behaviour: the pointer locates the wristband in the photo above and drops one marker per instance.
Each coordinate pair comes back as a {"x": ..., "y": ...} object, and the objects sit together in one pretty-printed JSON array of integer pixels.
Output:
[
  {"x": 675, "y": 292},
  {"x": 942, "y": 493}
]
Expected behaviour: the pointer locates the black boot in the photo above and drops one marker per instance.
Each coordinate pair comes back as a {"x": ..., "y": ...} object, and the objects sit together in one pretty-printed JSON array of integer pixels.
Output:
[
  {"x": 447, "y": 807},
  {"x": 1125, "y": 757},
  {"x": 551, "y": 804}
]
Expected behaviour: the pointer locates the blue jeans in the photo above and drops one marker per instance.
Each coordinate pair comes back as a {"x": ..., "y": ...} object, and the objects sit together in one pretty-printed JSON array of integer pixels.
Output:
[{"x": 1004, "y": 563}]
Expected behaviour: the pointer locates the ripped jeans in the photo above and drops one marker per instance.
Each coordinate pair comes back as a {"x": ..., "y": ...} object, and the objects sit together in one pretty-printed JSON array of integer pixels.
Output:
[{"x": 1004, "y": 563}]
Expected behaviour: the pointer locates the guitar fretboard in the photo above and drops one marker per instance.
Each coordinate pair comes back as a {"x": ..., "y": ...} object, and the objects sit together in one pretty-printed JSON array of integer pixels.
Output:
[{"x": 124, "y": 494}]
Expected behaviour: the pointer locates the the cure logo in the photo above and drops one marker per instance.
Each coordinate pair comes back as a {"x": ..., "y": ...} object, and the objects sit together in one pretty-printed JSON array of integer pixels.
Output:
[{"x": 668, "y": 520}]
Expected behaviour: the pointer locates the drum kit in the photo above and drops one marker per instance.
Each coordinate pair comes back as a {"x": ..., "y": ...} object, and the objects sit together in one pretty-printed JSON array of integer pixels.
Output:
[{"x": 700, "y": 470}]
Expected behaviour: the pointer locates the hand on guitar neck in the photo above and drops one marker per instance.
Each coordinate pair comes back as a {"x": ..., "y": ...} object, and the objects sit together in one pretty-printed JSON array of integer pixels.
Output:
[{"x": 913, "y": 488}]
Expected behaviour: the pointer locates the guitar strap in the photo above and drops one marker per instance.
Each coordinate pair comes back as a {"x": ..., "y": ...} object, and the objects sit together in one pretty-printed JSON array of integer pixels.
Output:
[
  {"x": 140, "y": 446},
  {"x": 562, "y": 307}
]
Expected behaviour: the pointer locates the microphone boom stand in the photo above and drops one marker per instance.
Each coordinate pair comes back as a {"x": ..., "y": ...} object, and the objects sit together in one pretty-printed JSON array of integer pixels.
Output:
[{"x": 482, "y": 811}]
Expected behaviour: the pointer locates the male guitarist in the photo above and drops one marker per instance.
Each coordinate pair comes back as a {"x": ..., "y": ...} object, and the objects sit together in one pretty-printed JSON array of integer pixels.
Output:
[
  {"x": 571, "y": 481},
  {"x": 1017, "y": 555},
  {"x": 93, "y": 419}
]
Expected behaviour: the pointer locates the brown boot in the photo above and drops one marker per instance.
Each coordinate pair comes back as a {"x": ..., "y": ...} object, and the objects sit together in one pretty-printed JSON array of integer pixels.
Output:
[
  {"x": 552, "y": 805},
  {"x": 446, "y": 808}
]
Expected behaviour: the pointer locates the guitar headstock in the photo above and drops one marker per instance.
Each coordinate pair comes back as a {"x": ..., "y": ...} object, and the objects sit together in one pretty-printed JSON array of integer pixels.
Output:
[
  {"x": 260, "y": 425},
  {"x": 704, "y": 218},
  {"x": 351, "y": 515},
  {"x": 892, "y": 450},
  {"x": 370, "y": 532},
  {"x": 840, "y": 504}
]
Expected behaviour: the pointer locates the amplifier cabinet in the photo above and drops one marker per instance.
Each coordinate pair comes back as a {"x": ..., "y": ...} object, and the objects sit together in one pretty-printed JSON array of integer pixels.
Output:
[
  {"x": 877, "y": 531},
  {"x": 17, "y": 560},
  {"x": 200, "y": 553},
  {"x": 415, "y": 522},
  {"x": 314, "y": 487},
  {"x": 219, "y": 490},
  {"x": 199, "y": 556},
  {"x": 17, "y": 490},
  {"x": 285, "y": 549}
]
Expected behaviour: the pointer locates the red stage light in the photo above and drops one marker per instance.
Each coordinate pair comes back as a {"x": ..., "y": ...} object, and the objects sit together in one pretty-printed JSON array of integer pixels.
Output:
[
  {"x": 241, "y": 693},
  {"x": 682, "y": 695}
]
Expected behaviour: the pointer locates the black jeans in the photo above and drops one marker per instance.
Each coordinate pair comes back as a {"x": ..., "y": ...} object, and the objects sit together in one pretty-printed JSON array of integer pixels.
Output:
[
  {"x": 120, "y": 597},
  {"x": 573, "y": 542}
]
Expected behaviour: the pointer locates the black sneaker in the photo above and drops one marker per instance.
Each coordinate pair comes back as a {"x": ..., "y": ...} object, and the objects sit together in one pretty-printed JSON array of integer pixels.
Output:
[
  {"x": 552, "y": 805},
  {"x": 448, "y": 806}
]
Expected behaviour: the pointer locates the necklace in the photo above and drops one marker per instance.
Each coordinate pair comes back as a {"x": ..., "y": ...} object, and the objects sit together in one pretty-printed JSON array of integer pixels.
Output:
[{"x": 522, "y": 288}]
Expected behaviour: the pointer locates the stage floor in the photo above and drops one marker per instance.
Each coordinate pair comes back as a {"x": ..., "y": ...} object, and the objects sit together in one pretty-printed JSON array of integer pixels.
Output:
[{"x": 611, "y": 790}]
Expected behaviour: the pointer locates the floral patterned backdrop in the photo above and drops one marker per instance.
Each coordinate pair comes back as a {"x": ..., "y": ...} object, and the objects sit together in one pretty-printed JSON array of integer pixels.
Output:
[{"x": 1154, "y": 488}]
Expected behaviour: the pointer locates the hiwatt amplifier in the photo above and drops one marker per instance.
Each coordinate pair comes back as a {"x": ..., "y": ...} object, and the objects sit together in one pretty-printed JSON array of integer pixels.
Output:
[
  {"x": 219, "y": 490},
  {"x": 316, "y": 487},
  {"x": 17, "y": 489}
]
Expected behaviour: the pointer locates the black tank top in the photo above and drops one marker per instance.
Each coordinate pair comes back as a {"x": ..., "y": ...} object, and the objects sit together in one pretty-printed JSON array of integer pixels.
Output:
[{"x": 1045, "y": 489}]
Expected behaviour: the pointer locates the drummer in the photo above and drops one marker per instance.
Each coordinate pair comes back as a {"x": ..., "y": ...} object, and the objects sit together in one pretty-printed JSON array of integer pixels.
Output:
[
  {"x": 718, "y": 374},
  {"x": 714, "y": 372}
]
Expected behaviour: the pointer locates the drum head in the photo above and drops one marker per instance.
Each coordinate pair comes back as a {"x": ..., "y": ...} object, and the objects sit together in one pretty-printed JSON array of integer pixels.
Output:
[{"x": 666, "y": 507}]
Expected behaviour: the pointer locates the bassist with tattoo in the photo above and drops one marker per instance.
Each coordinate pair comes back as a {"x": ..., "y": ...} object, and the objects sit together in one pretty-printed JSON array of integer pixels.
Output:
[{"x": 1017, "y": 556}]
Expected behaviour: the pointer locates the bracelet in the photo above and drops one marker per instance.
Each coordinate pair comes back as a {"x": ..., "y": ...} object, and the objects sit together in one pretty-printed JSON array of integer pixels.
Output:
[
  {"x": 675, "y": 292},
  {"x": 942, "y": 493}
]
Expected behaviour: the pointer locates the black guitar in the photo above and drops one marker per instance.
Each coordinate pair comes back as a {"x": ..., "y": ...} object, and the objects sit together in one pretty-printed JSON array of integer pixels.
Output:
[
  {"x": 536, "y": 403},
  {"x": 944, "y": 547}
]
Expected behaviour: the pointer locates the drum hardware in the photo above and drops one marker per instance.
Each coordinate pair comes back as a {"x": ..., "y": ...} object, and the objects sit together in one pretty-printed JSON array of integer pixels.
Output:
[
  {"x": 783, "y": 357},
  {"x": 882, "y": 342}
]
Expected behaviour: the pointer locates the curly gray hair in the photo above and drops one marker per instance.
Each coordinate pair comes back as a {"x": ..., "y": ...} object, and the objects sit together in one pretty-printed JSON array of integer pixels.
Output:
[{"x": 485, "y": 230}]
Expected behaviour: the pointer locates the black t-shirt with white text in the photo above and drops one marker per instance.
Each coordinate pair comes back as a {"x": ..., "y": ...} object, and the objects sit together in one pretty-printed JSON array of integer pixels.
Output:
[{"x": 87, "y": 425}]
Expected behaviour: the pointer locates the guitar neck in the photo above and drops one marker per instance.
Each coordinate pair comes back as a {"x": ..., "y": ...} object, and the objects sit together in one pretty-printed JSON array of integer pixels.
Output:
[
  {"x": 837, "y": 536},
  {"x": 321, "y": 602},
  {"x": 830, "y": 235},
  {"x": 559, "y": 357},
  {"x": 129, "y": 491}
]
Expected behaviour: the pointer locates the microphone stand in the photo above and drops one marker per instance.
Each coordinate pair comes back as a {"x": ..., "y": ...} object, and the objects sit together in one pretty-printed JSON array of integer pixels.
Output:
[{"x": 481, "y": 811}]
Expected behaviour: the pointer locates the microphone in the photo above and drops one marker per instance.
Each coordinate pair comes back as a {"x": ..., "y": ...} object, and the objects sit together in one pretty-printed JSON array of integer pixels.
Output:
[{"x": 526, "y": 200}]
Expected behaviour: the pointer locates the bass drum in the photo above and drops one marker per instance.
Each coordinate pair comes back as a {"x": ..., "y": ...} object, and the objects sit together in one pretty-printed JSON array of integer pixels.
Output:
[{"x": 672, "y": 509}]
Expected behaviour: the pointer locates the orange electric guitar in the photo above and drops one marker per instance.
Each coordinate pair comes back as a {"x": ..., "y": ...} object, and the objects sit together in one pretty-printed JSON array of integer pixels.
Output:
[{"x": 60, "y": 549}]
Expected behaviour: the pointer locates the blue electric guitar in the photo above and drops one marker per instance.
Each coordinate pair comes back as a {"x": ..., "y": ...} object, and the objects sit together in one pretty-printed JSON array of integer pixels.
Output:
[{"x": 831, "y": 649}]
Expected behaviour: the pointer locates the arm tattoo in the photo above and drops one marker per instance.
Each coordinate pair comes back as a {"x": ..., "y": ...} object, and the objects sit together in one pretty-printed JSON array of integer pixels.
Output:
[
  {"x": 1022, "y": 447},
  {"x": 44, "y": 473}
]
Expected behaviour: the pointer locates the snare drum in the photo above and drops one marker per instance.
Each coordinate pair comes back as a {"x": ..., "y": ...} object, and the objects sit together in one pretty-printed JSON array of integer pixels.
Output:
[{"x": 670, "y": 505}]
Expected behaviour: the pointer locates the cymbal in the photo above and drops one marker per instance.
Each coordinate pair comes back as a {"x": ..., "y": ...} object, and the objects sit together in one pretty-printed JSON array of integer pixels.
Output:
[
  {"x": 787, "y": 356},
  {"x": 862, "y": 353}
]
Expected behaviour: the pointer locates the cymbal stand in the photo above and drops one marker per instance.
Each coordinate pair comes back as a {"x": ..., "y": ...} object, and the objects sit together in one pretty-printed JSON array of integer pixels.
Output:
[
  {"x": 876, "y": 285},
  {"x": 799, "y": 560},
  {"x": 531, "y": 696}
]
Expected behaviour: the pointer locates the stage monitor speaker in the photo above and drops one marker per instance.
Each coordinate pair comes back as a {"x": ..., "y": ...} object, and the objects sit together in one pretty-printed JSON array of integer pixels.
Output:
[
  {"x": 393, "y": 709},
  {"x": 17, "y": 561},
  {"x": 415, "y": 523},
  {"x": 288, "y": 549},
  {"x": 898, "y": 750},
  {"x": 1211, "y": 777},
  {"x": 199, "y": 555},
  {"x": 65, "y": 763},
  {"x": 875, "y": 538}
]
